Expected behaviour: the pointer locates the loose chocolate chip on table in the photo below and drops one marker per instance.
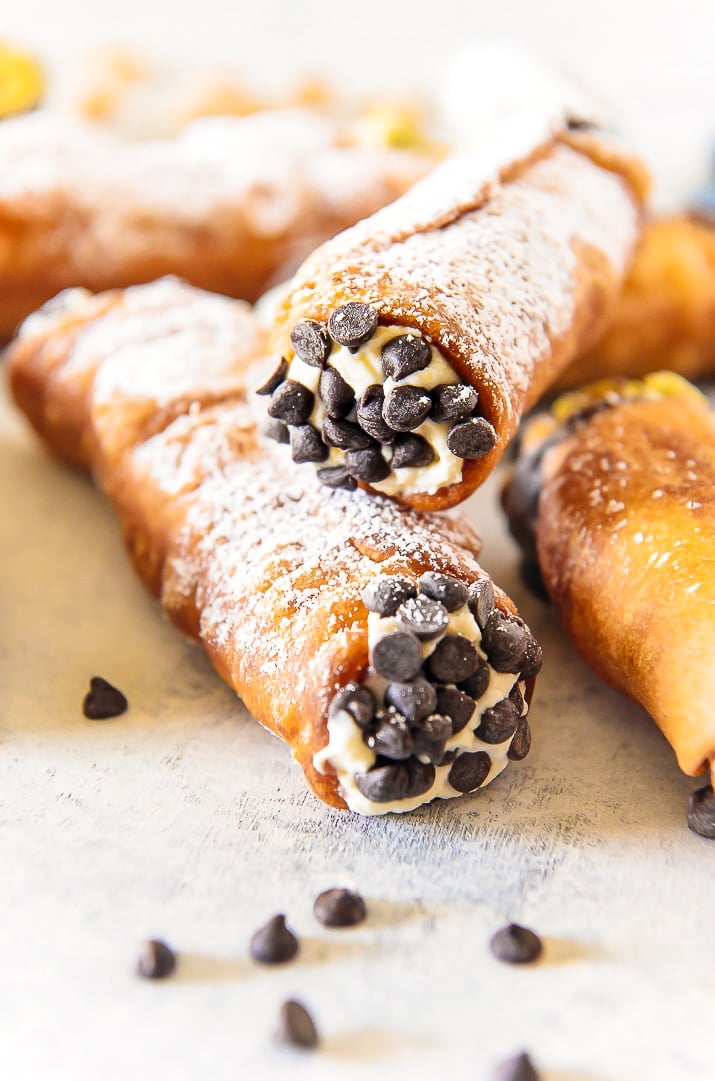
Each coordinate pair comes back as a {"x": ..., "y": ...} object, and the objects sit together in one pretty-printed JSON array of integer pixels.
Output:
[
  {"x": 277, "y": 430},
  {"x": 456, "y": 705},
  {"x": 156, "y": 960},
  {"x": 103, "y": 700},
  {"x": 406, "y": 407},
  {"x": 385, "y": 594},
  {"x": 339, "y": 908},
  {"x": 296, "y": 1027},
  {"x": 504, "y": 641},
  {"x": 701, "y": 811},
  {"x": 345, "y": 435},
  {"x": 444, "y": 588},
  {"x": 352, "y": 325},
  {"x": 311, "y": 342},
  {"x": 515, "y": 945},
  {"x": 471, "y": 438},
  {"x": 275, "y": 379},
  {"x": 411, "y": 451},
  {"x": 337, "y": 476},
  {"x": 499, "y": 722},
  {"x": 414, "y": 700},
  {"x": 388, "y": 781},
  {"x": 391, "y": 737},
  {"x": 369, "y": 414},
  {"x": 336, "y": 395},
  {"x": 519, "y": 1068},
  {"x": 476, "y": 684},
  {"x": 292, "y": 403},
  {"x": 274, "y": 943},
  {"x": 431, "y": 736},
  {"x": 469, "y": 770},
  {"x": 456, "y": 402},
  {"x": 367, "y": 465},
  {"x": 397, "y": 656},
  {"x": 521, "y": 742},
  {"x": 531, "y": 576},
  {"x": 404, "y": 355},
  {"x": 306, "y": 444},
  {"x": 424, "y": 617},
  {"x": 357, "y": 700},
  {"x": 454, "y": 659},
  {"x": 481, "y": 600},
  {"x": 533, "y": 658}
]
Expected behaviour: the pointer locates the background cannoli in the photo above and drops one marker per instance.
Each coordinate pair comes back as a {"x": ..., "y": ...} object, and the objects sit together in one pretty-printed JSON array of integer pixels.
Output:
[
  {"x": 232, "y": 205},
  {"x": 413, "y": 342},
  {"x": 363, "y": 634},
  {"x": 614, "y": 495}
]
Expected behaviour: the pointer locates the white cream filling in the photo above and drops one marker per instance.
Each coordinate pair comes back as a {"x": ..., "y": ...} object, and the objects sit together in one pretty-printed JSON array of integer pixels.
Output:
[
  {"x": 363, "y": 369},
  {"x": 349, "y": 755}
]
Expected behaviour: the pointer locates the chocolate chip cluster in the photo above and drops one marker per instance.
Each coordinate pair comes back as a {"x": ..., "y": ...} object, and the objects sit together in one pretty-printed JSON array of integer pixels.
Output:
[
  {"x": 361, "y": 426},
  {"x": 427, "y": 700}
]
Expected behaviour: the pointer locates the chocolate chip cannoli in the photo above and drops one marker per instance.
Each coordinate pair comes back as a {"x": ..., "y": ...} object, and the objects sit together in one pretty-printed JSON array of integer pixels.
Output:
[
  {"x": 364, "y": 634},
  {"x": 233, "y": 204},
  {"x": 412, "y": 343},
  {"x": 614, "y": 496}
]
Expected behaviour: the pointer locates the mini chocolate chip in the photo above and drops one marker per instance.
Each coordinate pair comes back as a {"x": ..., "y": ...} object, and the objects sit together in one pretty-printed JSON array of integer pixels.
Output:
[
  {"x": 431, "y": 736},
  {"x": 453, "y": 402},
  {"x": 275, "y": 379},
  {"x": 521, "y": 742},
  {"x": 404, "y": 355},
  {"x": 504, "y": 641},
  {"x": 533, "y": 658},
  {"x": 469, "y": 770},
  {"x": 481, "y": 600},
  {"x": 352, "y": 325},
  {"x": 306, "y": 444},
  {"x": 369, "y": 414},
  {"x": 456, "y": 705},
  {"x": 701, "y": 812},
  {"x": 397, "y": 656},
  {"x": 414, "y": 700},
  {"x": 295, "y": 1026},
  {"x": 453, "y": 660},
  {"x": 424, "y": 617},
  {"x": 516, "y": 698},
  {"x": 274, "y": 943},
  {"x": 411, "y": 451},
  {"x": 519, "y": 1068},
  {"x": 406, "y": 407},
  {"x": 388, "y": 781},
  {"x": 156, "y": 960},
  {"x": 339, "y": 908},
  {"x": 337, "y": 476},
  {"x": 531, "y": 576},
  {"x": 357, "y": 700},
  {"x": 390, "y": 737},
  {"x": 103, "y": 700},
  {"x": 343, "y": 434},
  {"x": 476, "y": 685},
  {"x": 498, "y": 723},
  {"x": 576, "y": 123},
  {"x": 337, "y": 396},
  {"x": 367, "y": 465},
  {"x": 311, "y": 342},
  {"x": 515, "y": 945},
  {"x": 277, "y": 430},
  {"x": 471, "y": 438},
  {"x": 444, "y": 588},
  {"x": 292, "y": 402},
  {"x": 385, "y": 594},
  {"x": 420, "y": 777}
]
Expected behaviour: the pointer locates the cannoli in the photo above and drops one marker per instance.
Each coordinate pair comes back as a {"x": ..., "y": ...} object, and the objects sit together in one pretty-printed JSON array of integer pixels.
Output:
[
  {"x": 665, "y": 317},
  {"x": 364, "y": 634},
  {"x": 416, "y": 339},
  {"x": 614, "y": 495},
  {"x": 232, "y": 205}
]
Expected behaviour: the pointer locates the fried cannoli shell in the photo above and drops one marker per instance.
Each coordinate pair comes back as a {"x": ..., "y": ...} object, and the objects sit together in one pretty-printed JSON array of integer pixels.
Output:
[
  {"x": 508, "y": 259},
  {"x": 257, "y": 561}
]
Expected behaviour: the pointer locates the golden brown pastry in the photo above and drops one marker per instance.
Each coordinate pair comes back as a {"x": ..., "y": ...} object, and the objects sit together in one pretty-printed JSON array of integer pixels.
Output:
[
  {"x": 364, "y": 635},
  {"x": 232, "y": 205},
  {"x": 617, "y": 499},
  {"x": 419, "y": 336}
]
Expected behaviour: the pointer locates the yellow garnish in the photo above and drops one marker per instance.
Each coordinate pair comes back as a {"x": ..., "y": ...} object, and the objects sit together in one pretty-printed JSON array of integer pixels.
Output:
[
  {"x": 22, "y": 81},
  {"x": 396, "y": 126},
  {"x": 653, "y": 386}
]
